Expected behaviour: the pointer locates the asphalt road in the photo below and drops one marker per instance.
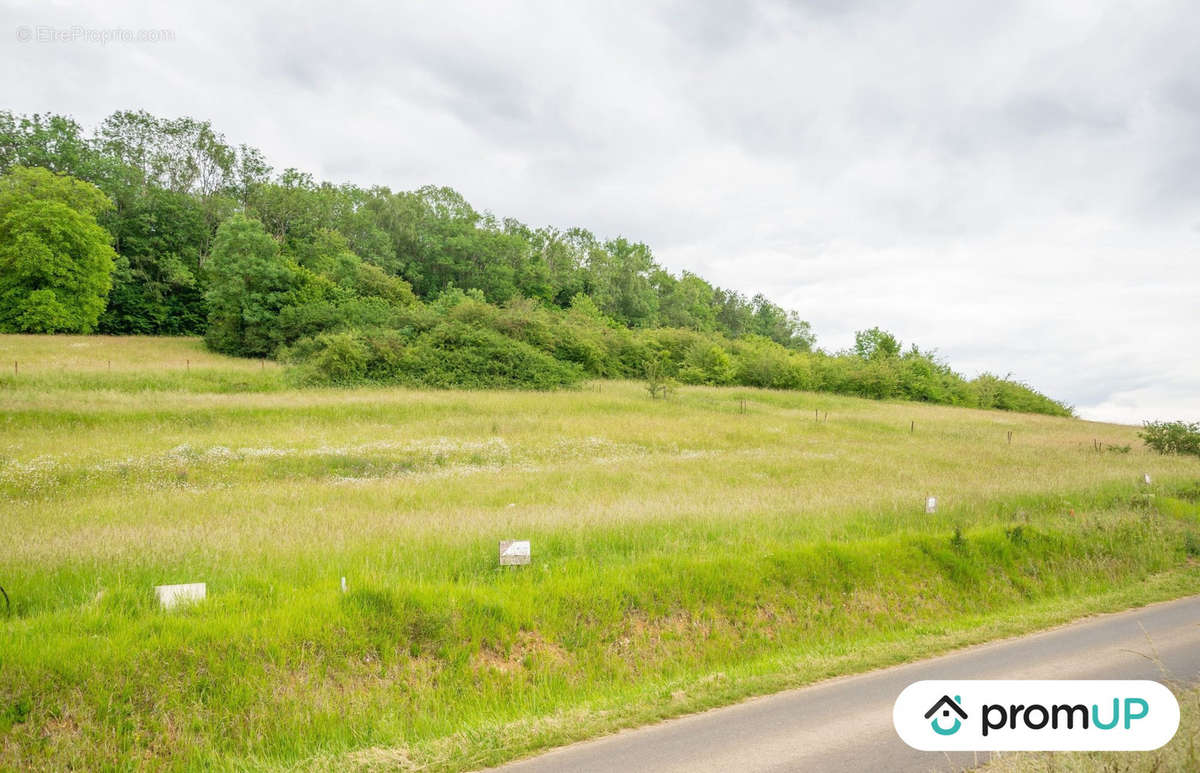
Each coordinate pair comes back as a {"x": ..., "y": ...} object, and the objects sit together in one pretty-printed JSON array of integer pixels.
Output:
[{"x": 846, "y": 724}]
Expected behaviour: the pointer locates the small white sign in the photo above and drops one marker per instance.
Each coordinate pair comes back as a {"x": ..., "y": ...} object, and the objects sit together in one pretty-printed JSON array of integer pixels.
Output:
[
  {"x": 171, "y": 596},
  {"x": 514, "y": 552},
  {"x": 1146, "y": 478},
  {"x": 931, "y": 505}
]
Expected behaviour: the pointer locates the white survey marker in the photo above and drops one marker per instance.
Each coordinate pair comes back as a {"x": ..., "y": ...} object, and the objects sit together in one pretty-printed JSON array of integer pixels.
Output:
[
  {"x": 931, "y": 505},
  {"x": 514, "y": 552},
  {"x": 171, "y": 596}
]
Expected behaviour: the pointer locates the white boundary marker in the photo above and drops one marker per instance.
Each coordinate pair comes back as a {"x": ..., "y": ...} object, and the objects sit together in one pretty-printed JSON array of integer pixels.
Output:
[
  {"x": 171, "y": 596},
  {"x": 514, "y": 552}
]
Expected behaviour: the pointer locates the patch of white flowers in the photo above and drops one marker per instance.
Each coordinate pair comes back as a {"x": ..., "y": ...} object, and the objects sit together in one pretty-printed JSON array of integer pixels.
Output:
[{"x": 438, "y": 456}]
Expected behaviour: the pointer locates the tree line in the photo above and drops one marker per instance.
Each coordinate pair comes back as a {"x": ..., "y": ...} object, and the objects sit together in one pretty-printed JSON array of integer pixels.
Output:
[{"x": 159, "y": 226}]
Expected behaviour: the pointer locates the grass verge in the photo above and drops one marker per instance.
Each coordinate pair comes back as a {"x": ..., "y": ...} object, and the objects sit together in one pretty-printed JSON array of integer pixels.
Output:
[{"x": 1182, "y": 753}]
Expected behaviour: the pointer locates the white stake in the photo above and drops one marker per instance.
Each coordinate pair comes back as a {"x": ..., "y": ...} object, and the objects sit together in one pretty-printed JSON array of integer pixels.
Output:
[
  {"x": 343, "y": 585},
  {"x": 171, "y": 596},
  {"x": 931, "y": 505},
  {"x": 514, "y": 552}
]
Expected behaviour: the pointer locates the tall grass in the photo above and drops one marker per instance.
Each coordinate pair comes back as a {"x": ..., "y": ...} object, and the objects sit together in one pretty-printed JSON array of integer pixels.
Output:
[
  {"x": 685, "y": 553},
  {"x": 1181, "y": 753}
]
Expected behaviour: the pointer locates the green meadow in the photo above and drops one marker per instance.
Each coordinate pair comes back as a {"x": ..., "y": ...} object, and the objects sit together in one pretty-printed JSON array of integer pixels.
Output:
[{"x": 687, "y": 552}]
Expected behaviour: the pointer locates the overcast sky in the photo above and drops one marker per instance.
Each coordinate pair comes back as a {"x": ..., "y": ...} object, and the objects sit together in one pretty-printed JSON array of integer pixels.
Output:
[{"x": 1015, "y": 186}]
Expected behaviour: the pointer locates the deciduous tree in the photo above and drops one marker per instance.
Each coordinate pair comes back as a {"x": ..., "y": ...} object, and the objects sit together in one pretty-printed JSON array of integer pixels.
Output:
[
  {"x": 249, "y": 282},
  {"x": 56, "y": 262}
]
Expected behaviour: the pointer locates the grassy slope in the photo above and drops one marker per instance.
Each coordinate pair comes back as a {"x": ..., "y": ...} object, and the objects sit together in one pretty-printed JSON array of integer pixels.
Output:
[
  {"x": 1182, "y": 753},
  {"x": 685, "y": 554}
]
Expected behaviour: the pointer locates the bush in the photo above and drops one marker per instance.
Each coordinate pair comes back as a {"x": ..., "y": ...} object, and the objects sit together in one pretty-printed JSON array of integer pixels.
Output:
[
  {"x": 924, "y": 379},
  {"x": 336, "y": 358},
  {"x": 455, "y": 354},
  {"x": 707, "y": 363},
  {"x": 1172, "y": 437},
  {"x": 671, "y": 346},
  {"x": 658, "y": 383},
  {"x": 569, "y": 336},
  {"x": 994, "y": 392},
  {"x": 452, "y": 354}
]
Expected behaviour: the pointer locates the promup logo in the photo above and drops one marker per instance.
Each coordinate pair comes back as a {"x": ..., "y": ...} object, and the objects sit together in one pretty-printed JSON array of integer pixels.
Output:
[
  {"x": 945, "y": 705},
  {"x": 1009, "y": 715}
]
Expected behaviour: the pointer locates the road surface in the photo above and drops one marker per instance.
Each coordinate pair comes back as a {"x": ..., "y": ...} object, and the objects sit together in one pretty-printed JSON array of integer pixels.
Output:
[{"x": 845, "y": 724}]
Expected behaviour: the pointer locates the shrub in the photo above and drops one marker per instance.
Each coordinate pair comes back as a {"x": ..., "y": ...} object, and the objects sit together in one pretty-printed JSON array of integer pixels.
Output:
[
  {"x": 310, "y": 319},
  {"x": 658, "y": 383},
  {"x": 336, "y": 358},
  {"x": 1172, "y": 437},
  {"x": 923, "y": 378},
  {"x": 764, "y": 363},
  {"x": 707, "y": 363},
  {"x": 452, "y": 354},
  {"x": 991, "y": 391},
  {"x": 670, "y": 346},
  {"x": 568, "y": 336}
]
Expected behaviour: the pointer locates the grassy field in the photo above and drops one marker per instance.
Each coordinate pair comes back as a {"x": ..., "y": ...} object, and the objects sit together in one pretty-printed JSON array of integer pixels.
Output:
[
  {"x": 1182, "y": 753},
  {"x": 685, "y": 554}
]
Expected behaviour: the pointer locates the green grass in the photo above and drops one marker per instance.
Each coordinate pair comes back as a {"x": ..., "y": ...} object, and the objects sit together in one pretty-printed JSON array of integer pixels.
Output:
[
  {"x": 1182, "y": 753},
  {"x": 685, "y": 554}
]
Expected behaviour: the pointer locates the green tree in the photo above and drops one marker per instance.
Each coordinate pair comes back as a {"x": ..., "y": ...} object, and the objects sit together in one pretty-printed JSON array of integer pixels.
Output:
[
  {"x": 329, "y": 255},
  {"x": 563, "y": 258},
  {"x": 532, "y": 277},
  {"x": 619, "y": 276},
  {"x": 357, "y": 217},
  {"x": 876, "y": 344},
  {"x": 384, "y": 228},
  {"x": 734, "y": 315},
  {"x": 156, "y": 287},
  {"x": 52, "y": 141},
  {"x": 182, "y": 154},
  {"x": 249, "y": 283},
  {"x": 56, "y": 262},
  {"x": 684, "y": 302},
  {"x": 782, "y": 327}
]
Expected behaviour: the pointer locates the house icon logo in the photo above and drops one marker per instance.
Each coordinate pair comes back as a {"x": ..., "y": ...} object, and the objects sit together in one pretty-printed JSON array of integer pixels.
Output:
[{"x": 945, "y": 706}]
